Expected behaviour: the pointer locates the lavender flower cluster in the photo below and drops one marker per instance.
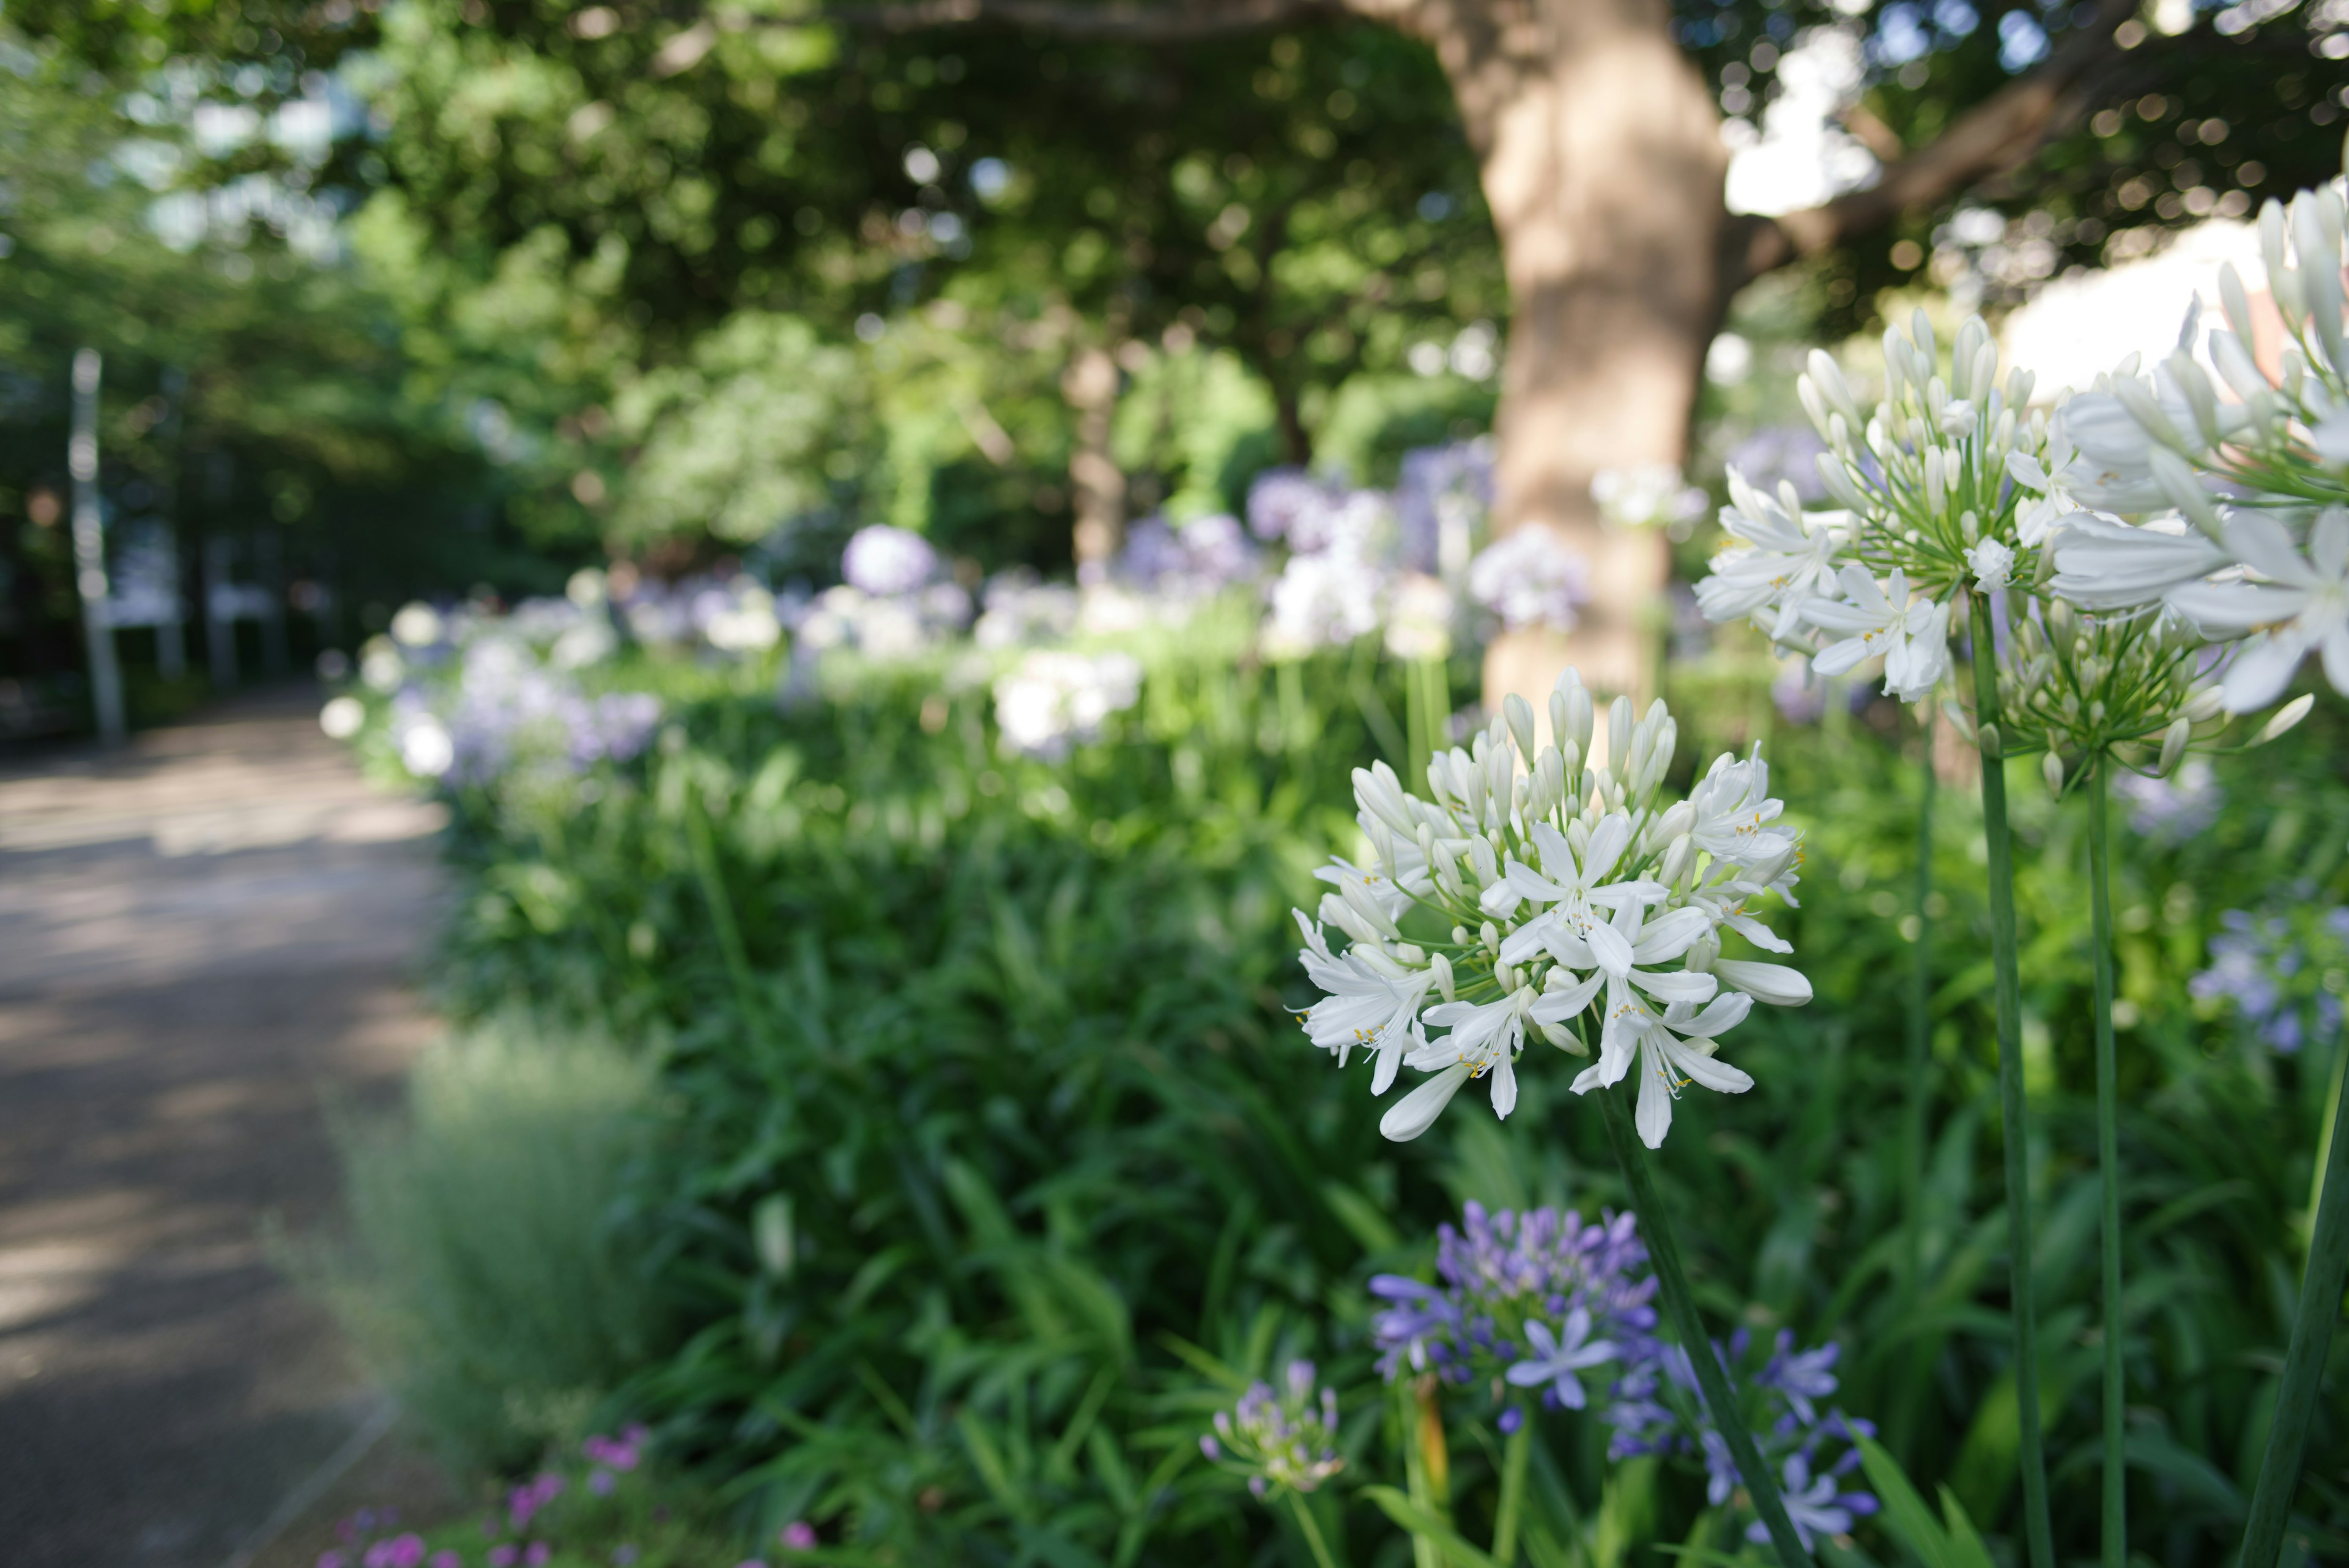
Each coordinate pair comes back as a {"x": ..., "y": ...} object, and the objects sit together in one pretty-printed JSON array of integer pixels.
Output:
[
  {"x": 1285, "y": 1438},
  {"x": 1657, "y": 1409},
  {"x": 1542, "y": 1301},
  {"x": 505, "y": 706},
  {"x": 2286, "y": 969},
  {"x": 1536, "y": 1300}
]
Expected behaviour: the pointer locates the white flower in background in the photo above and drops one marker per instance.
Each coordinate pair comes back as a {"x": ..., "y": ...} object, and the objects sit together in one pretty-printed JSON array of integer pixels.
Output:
[
  {"x": 1645, "y": 495},
  {"x": 1053, "y": 700},
  {"x": 883, "y": 561},
  {"x": 1992, "y": 561},
  {"x": 1419, "y": 619},
  {"x": 381, "y": 667},
  {"x": 588, "y": 588},
  {"x": 1325, "y": 600},
  {"x": 1020, "y": 610},
  {"x": 423, "y": 742},
  {"x": 1779, "y": 557},
  {"x": 746, "y": 625},
  {"x": 342, "y": 717},
  {"x": 591, "y": 641},
  {"x": 2301, "y": 606},
  {"x": 1911, "y": 634},
  {"x": 1529, "y": 578},
  {"x": 1531, "y": 900},
  {"x": 417, "y": 624}
]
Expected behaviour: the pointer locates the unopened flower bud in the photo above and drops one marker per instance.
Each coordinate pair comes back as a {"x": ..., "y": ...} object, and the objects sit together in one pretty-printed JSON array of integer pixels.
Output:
[
  {"x": 1490, "y": 935},
  {"x": 1520, "y": 714},
  {"x": 2173, "y": 745},
  {"x": 1677, "y": 857},
  {"x": 1441, "y": 967},
  {"x": 2051, "y": 768},
  {"x": 2290, "y": 714},
  {"x": 1559, "y": 1035},
  {"x": 1988, "y": 739}
]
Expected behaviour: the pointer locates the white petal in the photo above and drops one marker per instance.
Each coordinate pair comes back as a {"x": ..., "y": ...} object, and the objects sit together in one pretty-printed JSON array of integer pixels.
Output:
[
  {"x": 1709, "y": 1071},
  {"x": 2261, "y": 673},
  {"x": 1726, "y": 1012},
  {"x": 1671, "y": 935},
  {"x": 1504, "y": 1087},
  {"x": 1676, "y": 985},
  {"x": 1775, "y": 983},
  {"x": 1558, "y": 1006},
  {"x": 1610, "y": 949},
  {"x": 1416, "y": 1112},
  {"x": 1655, "y": 1117},
  {"x": 1607, "y": 843},
  {"x": 2259, "y": 540}
]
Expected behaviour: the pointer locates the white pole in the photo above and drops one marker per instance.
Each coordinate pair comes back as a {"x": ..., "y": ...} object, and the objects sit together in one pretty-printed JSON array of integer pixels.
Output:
[{"x": 89, "y": 550}]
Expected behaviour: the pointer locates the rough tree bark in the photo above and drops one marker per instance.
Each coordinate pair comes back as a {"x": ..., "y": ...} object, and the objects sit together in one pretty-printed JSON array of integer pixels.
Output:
[
  {"x": 1602, "y": 163},
  {"x": 1089, "y": 385}
]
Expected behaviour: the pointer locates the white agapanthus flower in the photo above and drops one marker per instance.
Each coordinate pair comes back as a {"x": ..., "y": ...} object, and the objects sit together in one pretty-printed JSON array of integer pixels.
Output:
[
  {"x": 1992, "y": 561},
  {"x": 1530, "y": 898},
  {"x": 1911, "y": 634},
  {"x": 1779, "y": 559},
  {"x": 2297, "y": 605}
]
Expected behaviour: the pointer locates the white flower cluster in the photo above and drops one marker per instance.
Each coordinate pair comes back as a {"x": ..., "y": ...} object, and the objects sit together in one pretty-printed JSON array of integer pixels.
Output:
[
  {"x": 2254, "y": 462},
  {"x": 1535, "y": 896},
  {"x": 1053, "y": 699}
]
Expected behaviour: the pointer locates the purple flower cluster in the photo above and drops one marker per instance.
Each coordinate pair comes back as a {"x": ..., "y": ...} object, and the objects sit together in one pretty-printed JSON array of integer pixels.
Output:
[
  {"x": 2175, "y": 808},
  {"x": 1285, "y": 1438},
  {"x": 1194, "y": 560},
  {"x": 613, "y": 1458},
  {"x": 2286, "y": 969},
  {"x": 506, "y": 707},
  {"x": 1657, "y": 1409},
  {"x": 367, "y": 1543},
  {"x": 1536, "y": 1299}
]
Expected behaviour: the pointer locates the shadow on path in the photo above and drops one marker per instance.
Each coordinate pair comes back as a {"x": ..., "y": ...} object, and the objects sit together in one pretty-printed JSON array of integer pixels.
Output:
[{"x": 203, "y": 941}]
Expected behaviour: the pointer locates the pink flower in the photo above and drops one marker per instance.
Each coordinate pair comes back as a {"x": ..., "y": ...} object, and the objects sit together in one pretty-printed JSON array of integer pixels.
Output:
[
  {"x": 505, "y": 1556},
  {"x": 399, "y": 1551},
  {"x": 445, "y": 1559},
  {"x": 800, "y": 1535},
  {"x": 536, "y": 1554}
]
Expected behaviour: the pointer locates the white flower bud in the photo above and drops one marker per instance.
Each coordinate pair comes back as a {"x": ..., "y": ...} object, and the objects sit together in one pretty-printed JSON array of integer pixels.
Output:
[
  {"x": 2204, "y": 702},
  {"x": 1559, "y": 1035},
  {"x": 1520, "y": 715},
  {"x": 1677, "y": 859},
  {"x": 2290, "y": 714},
  {"x": 1442, "y": 968},
  {"x": 1490, "y": 935},
  {"x": 2051, "y": 768},
  {"x": 1618, "y": 733},
  {"x": 2173, "y": 745},
  {"x": 1507, "y": 976}
]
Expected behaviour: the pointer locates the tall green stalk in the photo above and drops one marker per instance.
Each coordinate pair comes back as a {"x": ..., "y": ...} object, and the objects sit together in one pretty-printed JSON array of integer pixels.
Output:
[
  {"x": 1312, "y": 1531},
  {"x": 1920, "y": 1032},
  {"x": 2012, "y": 1112},
  {"x": 2108, "y": 1160},
  {"x": 1514, "y": 1454},
  {"x": 1712, "y": 1377},
  {"x": 2304, "y": 1362}
]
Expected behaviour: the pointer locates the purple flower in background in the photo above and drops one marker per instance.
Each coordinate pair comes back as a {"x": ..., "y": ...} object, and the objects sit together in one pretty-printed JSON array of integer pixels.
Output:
[
  {"x": 1282, "y": 498},
  {"x": 799, "y": 1535},
  {"x": 1781, "y": 452},
  {"x": 505, "y": 1556},
  {"x": 1287, "y": 1437},
  {"x": 883, "y": 561},
  {"x": 1440, "y": 501},
  {"x": 2283, "y": 968},
  {"x": 2175, "y": 808},
  {"x": 1800, "y": 697},
  {"x": 1814, "y": 1504},
  {"x": 1801, "y": 1376},
  {"x": 535, "y": 1554},
  {"x": 401, "y": 1552},
  {"x": 1199, "y": 559},
  {"x": 444, "y": 1559},
  {"x": 1529, "y": 579},
  {"x": 1553, "y": 1358}
]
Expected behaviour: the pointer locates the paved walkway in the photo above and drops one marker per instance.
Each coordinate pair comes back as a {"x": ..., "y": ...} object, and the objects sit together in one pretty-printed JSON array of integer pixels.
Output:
[{"x": 201, "y": 940}]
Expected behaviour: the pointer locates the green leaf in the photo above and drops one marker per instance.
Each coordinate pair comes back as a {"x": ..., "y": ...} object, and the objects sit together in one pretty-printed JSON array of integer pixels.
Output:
[{"x": 1420, "y": 1521}]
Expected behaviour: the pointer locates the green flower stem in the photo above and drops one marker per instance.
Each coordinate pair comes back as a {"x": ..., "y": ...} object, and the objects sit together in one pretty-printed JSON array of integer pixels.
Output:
[
  {"x": 1305, "y": 1521},
  {"x": 2013, "y": 1114},
  {"x": 2324, "y": 1134},
  {"x": 1512, "y": 1492},
  {"x": 2108, "y": 1160},
  {"x": 1920, "y": 1030},
  {"x": 722, "y": 912},
  {"x": 1712, "y": 1377},
  {"x": 2303, "y": 1363}
]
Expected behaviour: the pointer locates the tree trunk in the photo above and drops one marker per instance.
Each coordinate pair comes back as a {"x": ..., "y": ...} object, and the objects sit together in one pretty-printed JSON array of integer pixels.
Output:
[
  {"x": 1090, "y": 384},
  {"x": 1602, "y": 163}
]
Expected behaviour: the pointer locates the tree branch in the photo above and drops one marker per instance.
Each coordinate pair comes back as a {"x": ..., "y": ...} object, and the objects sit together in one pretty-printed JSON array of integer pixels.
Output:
[
  {"x": 1996, "y": 136},
  {"x": 1180, "y": 21}
]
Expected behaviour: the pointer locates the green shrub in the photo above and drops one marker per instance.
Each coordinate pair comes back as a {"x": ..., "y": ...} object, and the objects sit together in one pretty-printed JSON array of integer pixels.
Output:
[{"x": 491, "y": 1277}]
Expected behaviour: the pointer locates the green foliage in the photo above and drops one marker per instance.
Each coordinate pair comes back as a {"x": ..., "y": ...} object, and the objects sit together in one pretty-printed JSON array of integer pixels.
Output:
[
  {"x": 1004, "y": 1139},
  {"x": 494, "y": 1276}
]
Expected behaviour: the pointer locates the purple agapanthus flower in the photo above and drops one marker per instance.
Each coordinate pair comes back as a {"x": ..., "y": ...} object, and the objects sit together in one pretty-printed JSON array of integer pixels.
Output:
[
  {"x": 883, "y": 561},
  {"x": 2277, "y": 967}
]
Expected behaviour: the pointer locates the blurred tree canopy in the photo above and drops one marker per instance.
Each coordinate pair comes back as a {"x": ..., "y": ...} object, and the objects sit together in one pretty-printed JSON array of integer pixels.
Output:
[{"x": 692, "y": 273}]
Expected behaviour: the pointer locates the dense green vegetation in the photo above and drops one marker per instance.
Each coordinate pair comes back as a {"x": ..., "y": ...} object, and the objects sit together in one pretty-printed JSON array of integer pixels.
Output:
[{"x": 991, "y": 1139}]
